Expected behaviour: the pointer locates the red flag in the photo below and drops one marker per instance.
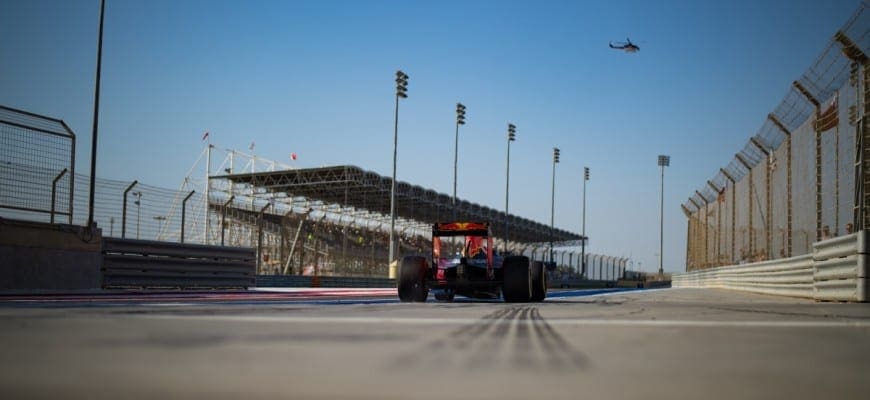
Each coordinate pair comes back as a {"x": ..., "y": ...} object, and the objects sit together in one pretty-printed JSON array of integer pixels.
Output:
[
  {"x": 293, "y": 156},
  {"x": 205, "y": 135}
]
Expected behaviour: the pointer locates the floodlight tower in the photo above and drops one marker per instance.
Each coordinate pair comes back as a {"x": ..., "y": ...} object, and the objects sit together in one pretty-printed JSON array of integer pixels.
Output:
[
  {"x": 512, "y": 136},
  {"x": 583, "y": 227},
  {"x": 556, "y": 154},
  {"x": 460, "y": 120},
  {"x": 664, "y": 161},
  {"x": 401, "y": 92}
]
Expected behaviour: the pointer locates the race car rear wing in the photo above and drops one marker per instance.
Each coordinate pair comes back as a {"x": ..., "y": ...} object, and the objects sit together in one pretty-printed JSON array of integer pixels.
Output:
[{"x": 460, "y": 229}]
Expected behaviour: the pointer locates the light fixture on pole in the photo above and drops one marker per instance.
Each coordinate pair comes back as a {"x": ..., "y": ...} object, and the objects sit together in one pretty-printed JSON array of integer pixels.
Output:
[
  {"x": 401, "y": 92},
  {"x": 583, "y": 227},
  {"x": 460, "y": 120},
  {"x": 553, "y": 199},
  {"x": 512, "y": 136},
  {"x": 664, "y": 161}
]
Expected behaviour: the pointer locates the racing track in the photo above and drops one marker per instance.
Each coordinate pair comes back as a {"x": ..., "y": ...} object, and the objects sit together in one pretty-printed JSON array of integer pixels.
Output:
[{"x": 363, "y": 344}]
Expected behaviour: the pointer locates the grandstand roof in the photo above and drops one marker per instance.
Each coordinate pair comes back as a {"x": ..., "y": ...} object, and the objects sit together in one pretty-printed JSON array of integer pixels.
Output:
[{"x": 351, "y": 186}]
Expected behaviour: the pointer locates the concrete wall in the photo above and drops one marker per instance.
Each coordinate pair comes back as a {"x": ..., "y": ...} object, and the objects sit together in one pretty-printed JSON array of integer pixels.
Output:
[{"x": 38, "y": 256}]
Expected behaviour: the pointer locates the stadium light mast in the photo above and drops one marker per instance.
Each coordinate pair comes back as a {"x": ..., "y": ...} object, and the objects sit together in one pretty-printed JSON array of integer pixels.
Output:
[
  {"x": 553, "y": 199},
  {"x": 512, "y": 136},
  {"x": 460, "y": 120},
  {"x": 583, "y": 227},
  {"x": 401, "y": 92},
  {"x": 664, "y": 161}
]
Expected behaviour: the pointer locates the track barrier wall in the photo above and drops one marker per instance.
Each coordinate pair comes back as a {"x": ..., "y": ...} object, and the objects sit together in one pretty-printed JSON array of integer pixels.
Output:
[
  {"x": 149, "y": 264},
  {"x": 835, "y": 271}
]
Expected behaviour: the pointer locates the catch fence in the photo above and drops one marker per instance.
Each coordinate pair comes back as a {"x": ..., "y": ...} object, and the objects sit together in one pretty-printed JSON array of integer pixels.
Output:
[
  {"x": 37, "y": 165},
  {"x": 802, "y": 177}
]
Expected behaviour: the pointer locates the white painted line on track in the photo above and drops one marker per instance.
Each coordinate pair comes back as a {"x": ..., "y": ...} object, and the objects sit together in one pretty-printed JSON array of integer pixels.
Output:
[
  {"x": 575, "y": 322},
  {"x": 711, "y": 324},
  {"x": 582, "y": 293}
]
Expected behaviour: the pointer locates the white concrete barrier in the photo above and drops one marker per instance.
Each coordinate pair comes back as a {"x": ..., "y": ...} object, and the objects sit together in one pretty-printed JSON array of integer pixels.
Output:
[
  {"x": 835, "y": 271},
  {"x": 840, "y": 268}
]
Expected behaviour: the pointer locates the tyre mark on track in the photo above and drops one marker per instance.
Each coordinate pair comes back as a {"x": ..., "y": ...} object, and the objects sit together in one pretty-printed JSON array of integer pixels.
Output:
[
  {"x": 511, "y": 337},
  {"x": 486, "y": 353},
  {"x": 556, "y": 346}
]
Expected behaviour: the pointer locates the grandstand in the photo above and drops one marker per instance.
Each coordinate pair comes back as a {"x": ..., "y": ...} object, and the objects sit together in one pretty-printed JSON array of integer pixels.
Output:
[{"x": 335, "y": 220}]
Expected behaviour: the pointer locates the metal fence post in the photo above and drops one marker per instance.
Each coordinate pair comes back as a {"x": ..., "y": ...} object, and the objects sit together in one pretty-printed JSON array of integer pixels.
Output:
[
  {"x": 706, "y": 231},
  {"x": 124, "y": 210},
  {"x": 818, "y": 155},
  {"x": 693, "y": 232},
  {"x": 72, "y": 166},
  {"x": 184, "y": 213},
  {"x": 601, "y": 267},
  {"x": 696, "y": 244},
  {"x": 788, "y": 162},
  {"x": 733, "y": 212},
  {"x": 749, "y": 200},
  {"x": 718, "y": 234},
  {"x": 586, "y": 274},
  {"x": 688, "y": 233},
  {"x": 596, "y": 257},
  {"x": 767, "y": 216},
  {"x": 54, "y": 190},
  {"x": 609, "y": 268}
]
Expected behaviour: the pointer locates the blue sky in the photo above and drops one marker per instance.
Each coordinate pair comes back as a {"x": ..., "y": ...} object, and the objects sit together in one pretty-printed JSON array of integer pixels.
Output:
[{"x": 316, "y": 78}]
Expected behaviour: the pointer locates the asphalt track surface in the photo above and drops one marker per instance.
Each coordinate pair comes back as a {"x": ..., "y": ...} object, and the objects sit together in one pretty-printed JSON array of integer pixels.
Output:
[{"x": 363, "y": 344}]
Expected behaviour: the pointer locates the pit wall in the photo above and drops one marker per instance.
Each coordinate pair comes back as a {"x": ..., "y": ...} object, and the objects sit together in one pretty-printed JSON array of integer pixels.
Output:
[{"x": 38, "y": 256}]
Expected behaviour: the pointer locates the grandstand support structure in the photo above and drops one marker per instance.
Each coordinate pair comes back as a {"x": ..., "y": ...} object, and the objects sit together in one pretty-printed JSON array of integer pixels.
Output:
[{"x": 330, "y": 220}]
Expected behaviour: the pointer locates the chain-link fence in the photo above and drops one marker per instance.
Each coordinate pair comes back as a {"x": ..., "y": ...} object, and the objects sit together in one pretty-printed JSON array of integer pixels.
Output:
[
  {"x": 36, "y": 165},
  {"x": 794, "y": 182}
]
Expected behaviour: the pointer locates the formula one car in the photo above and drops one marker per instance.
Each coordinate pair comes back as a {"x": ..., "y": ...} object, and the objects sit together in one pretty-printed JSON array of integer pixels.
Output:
[{"x": 474, "y": 272}]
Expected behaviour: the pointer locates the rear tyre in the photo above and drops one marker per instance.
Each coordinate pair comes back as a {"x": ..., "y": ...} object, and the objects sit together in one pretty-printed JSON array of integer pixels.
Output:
[
  {"x": 412, "y": 279},
  {"x": 539, "y": 281},
  {"x": 517, "y": 279}
]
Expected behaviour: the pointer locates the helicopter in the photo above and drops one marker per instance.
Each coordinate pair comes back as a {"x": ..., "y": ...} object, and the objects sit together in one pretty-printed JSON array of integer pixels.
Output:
[{"x": 626, "y": 46}]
